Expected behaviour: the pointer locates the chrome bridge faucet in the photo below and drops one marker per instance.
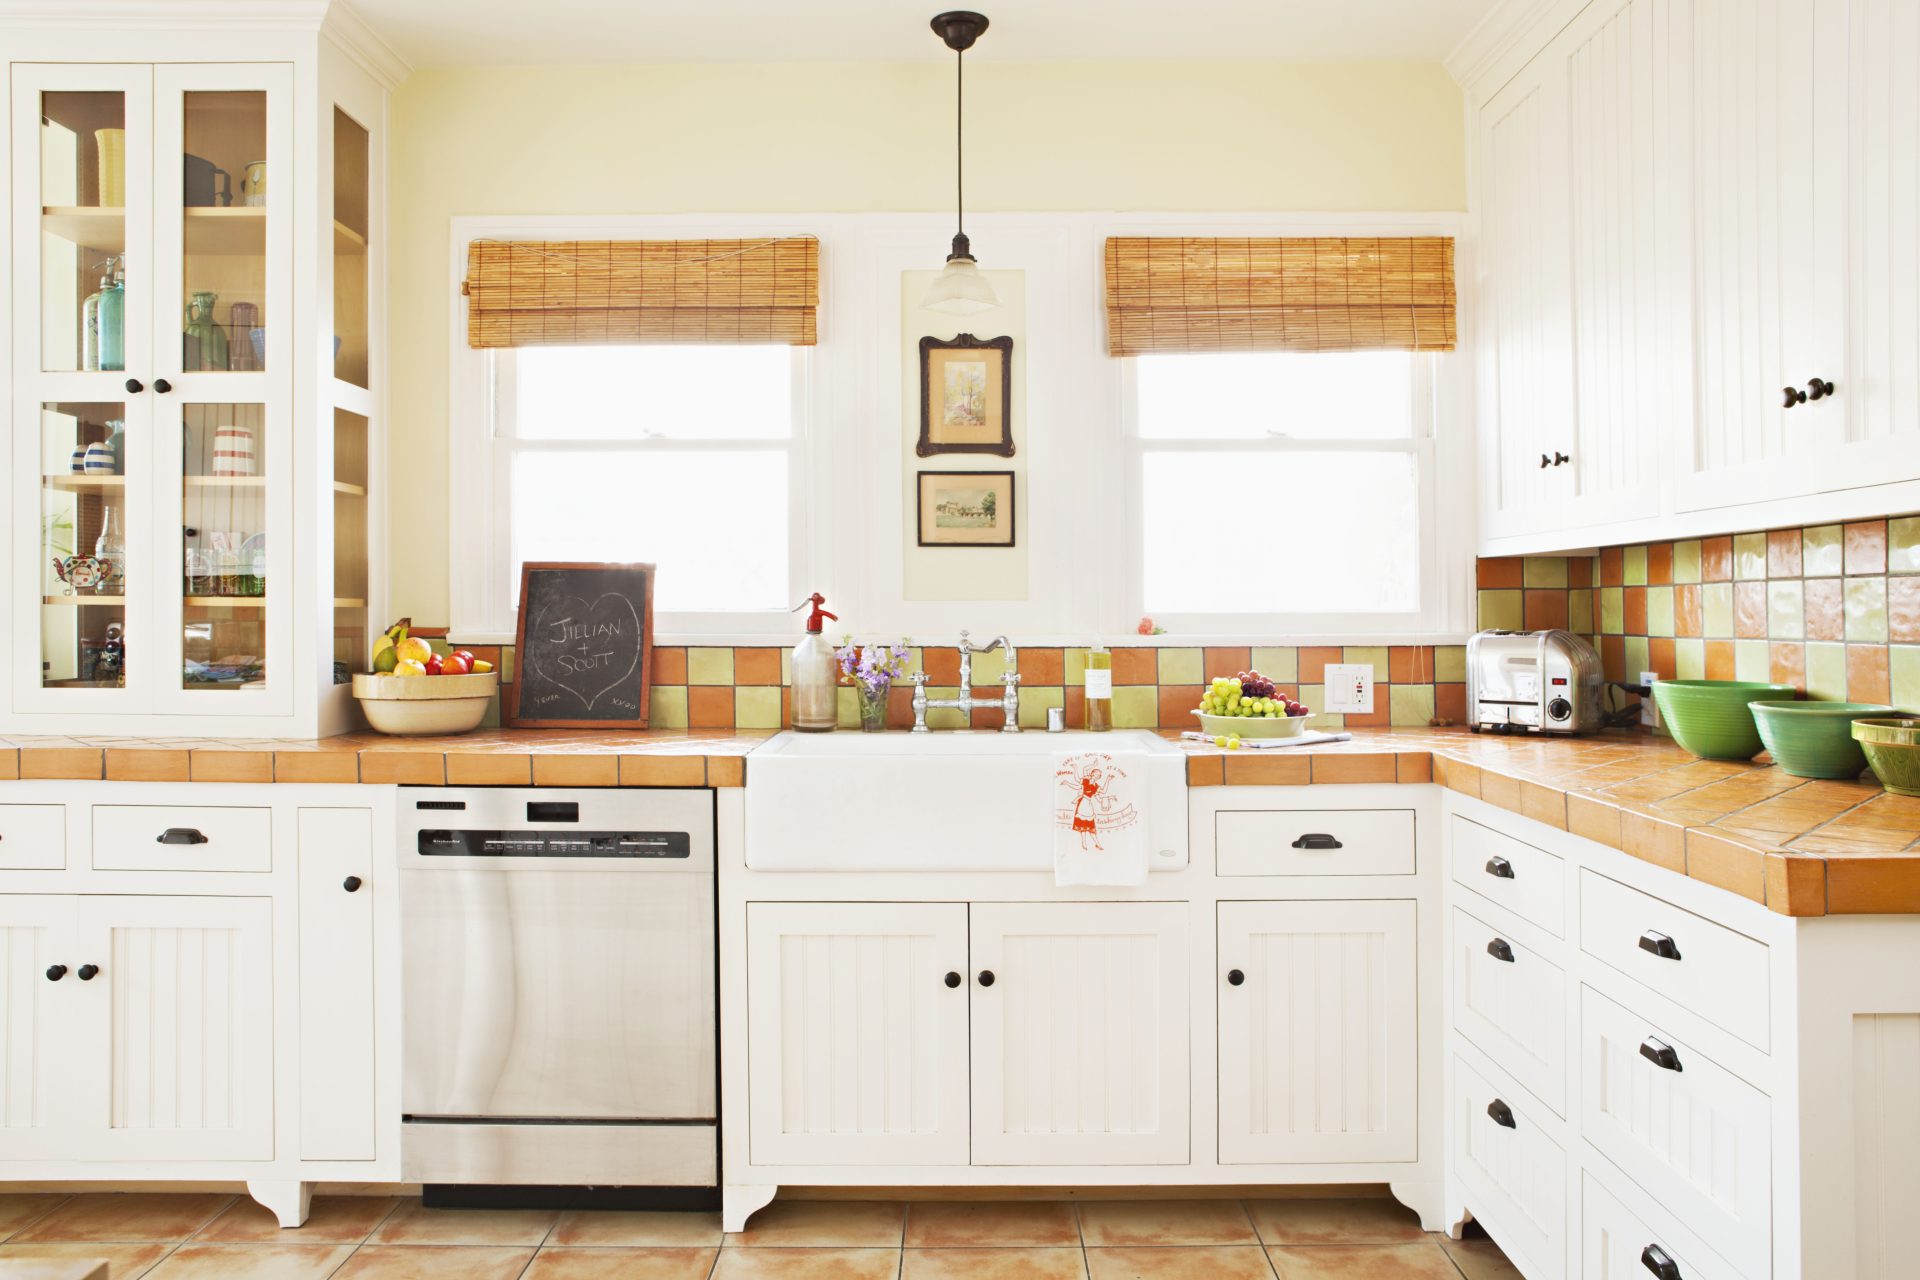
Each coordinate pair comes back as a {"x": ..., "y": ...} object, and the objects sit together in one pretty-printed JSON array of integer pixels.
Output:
[{"x": 1008, "y": 701}]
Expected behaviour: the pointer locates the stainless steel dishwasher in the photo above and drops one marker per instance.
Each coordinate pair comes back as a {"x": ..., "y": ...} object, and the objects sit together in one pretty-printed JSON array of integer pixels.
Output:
[{"x": 559, "y": 987}]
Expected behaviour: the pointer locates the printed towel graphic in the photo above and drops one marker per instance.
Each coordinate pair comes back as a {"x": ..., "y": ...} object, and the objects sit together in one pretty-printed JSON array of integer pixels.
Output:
[{"x": 1099, "y": 835}]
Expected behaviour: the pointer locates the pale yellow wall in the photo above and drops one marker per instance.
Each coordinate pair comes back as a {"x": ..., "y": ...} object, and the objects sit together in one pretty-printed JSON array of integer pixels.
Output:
[{"x": 1215, "y": 136}]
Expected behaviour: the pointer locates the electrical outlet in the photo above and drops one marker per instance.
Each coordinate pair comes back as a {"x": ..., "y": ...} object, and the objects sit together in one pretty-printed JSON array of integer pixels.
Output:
[
  {"x": 1349, "y": 688},
  {"x": 1649, "y": 711}
]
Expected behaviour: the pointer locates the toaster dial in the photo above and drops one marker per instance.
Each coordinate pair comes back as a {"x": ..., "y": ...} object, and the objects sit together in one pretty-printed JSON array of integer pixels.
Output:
[{"x": 1559, "y": 708}]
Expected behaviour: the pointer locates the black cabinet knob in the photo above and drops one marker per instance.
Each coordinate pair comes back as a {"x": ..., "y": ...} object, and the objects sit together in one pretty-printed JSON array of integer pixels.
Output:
[
  {"x": 180, "y": 835},
  {"x": 1235, "y": 977},
  {"x": 1317, "y": 840},
  {"x": 1545, "y": 462},
  {"x": 87, "y": 972},
  {"x": 1658, "y": 1052},
  {"x": 135, "y": 386},
  {"x": 986, "y": 977},
  {"x": 1792, "y": 396},
  {"x": 1501, "y": 1114},
  {"x": 55, "y": 972},
  {"x": 352, "y": 884},
  {"x": 162, "y": 386},
  {"x": 1500, "y": 950},
  {"x": 1560, "y": 459},
  {"x": 1819, "y": 389},
  {"x": 1500, "y": 868},
  {"x": 1659, "y": 944},
  {"x": 952, "y": 979},
  {"x": 1656, "y": 1260}
]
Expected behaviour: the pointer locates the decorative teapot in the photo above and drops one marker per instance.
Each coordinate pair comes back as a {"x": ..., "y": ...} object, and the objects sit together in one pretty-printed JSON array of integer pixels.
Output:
[{"x": 83, "y": 573}]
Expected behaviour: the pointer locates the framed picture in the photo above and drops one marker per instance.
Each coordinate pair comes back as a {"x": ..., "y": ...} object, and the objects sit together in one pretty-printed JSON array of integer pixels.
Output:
[
  {"x": 966, "y": 508},
  {"x": 966, "y": 396}
]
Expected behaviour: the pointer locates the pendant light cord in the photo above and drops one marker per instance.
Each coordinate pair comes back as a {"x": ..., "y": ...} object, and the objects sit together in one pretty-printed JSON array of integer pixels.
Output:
[{"x": 959, "y": 141}]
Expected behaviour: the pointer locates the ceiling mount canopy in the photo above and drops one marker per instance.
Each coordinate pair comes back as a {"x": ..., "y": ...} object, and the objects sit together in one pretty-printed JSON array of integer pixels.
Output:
[{"x": 960, "y": 289}]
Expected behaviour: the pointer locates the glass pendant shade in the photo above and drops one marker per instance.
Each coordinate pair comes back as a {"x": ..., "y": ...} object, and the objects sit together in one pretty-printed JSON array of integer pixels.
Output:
[{"x": 960, "y": 290}]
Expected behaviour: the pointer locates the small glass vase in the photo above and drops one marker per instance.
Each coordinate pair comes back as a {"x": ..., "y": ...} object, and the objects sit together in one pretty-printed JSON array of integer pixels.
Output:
[{"x": 873, "y": 708}]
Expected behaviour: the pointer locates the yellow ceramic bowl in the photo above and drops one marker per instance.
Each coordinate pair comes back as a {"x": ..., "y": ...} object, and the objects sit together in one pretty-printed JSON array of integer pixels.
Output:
[{"x": 414, "y": 705}]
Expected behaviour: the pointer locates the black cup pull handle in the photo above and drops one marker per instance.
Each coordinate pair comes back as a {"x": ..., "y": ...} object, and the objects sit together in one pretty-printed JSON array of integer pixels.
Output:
[
  {"x": 55, "y": 972},
  {"x": 1501, "y": 1114},
  {"x": 1317, "y": 840},
  {"x": 1500, "y": 868},
  {"x": 352, "y": 884},
  {"x": 986, "y": 977},
  {"x": 952, "y": 979},
  {"x": 1499, "y": 950},
  {"x": 87, "y": 972},
  {"x": 180, "y": 835},
  {"x": 1235, "y": 977},
  {"x": 135, "y": 386},
  {"x": 1659, "y": 944},
  {"x": 1660, "y": 1054},
  {"x": 1656, "y": 1260}
]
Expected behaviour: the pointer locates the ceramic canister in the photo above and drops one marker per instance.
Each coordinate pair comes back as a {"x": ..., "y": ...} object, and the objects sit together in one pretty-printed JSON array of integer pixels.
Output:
[
  {"x": 98, "y": 460},
  {"x": 79, "y": 461},
  {"x": 232, "y": 451}
]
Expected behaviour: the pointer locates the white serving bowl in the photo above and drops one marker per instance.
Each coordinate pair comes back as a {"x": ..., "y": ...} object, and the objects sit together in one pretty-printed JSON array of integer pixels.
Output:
[
  {"x": 1254, "y": 726},
  {"x": 414, "y": 705}
]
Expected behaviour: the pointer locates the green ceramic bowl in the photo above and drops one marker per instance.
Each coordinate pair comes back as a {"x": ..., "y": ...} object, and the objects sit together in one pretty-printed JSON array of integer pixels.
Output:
[
  {"x": 1893, "y": 749},
  {"x": 1815, "y": 739},
  {"x": 1710, "y": 717},
  {"x": 1254, "y": 726}
]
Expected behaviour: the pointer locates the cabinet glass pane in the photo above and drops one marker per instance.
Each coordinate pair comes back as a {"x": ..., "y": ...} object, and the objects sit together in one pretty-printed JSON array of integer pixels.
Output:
[
  {"x": 225, "y": 571},
  {"x": 224, "y": 222},
  {"x": 350, "y": 227},
  {"x": 83, "y": 522},
  {"x": 350, "y": 543},
  {"x": 83, "y": 230}
]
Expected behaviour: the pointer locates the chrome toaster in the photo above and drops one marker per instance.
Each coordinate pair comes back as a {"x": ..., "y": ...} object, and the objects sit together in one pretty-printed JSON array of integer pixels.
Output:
[{"x": 1533, "y": 682}]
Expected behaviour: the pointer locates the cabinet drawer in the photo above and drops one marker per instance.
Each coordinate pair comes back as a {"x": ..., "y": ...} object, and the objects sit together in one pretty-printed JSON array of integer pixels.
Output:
[
  {"x": 1694, "y": 1136},
  {"x": 151, "y": 837},
  {"x": 1513, "y": 1174},
  {"x": 1615, "y": 1244},
  {"x": 33, "y": 837},
  {"x": 1529, "y": 882},
  {"x": 1706, "y": 967},
  {"x": 1314, "y": 842},
  {"x": 1510, "y": 1003}
]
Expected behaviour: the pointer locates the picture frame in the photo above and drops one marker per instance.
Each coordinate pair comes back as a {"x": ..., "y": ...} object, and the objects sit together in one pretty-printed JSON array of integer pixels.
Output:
[
  {"x": 965, "y": 508},
  {"x": 966, "y": 396}
]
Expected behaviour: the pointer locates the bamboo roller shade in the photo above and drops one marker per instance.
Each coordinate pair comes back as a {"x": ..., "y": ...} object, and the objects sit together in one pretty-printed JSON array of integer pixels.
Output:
[
  {"x": 1176, "y": 293},
  {"x": 523, "y": 293}
]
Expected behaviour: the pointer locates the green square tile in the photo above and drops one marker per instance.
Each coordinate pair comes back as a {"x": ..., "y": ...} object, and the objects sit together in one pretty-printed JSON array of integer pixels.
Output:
[
  {"x": 491, "y": 720},
  {"x": 1613, "y": 611},
  {"x": 1903, "y": 545},
  {"x": 1314, "y": 698},
  {"x": 1136, "y": 706},
  {"x": 1372, "y": 655},
  {"x": 1686, "y": 561},
  {"x": 1035, "y": 701},
  {"x": 1827, "y": 671},
  {"x": 945, "y": 717},
  {"x": 1659, "y": 611},
  {"x": 1501, "y": 610},
  {"x": 786, "y": 666},
  {"x": 1750, "y": 660},
  {"x": 667, "y": 707},
  {"x": 1750, "y": 556},
  {"x": 1076, "y": 668},
  {"x": 1716, "y": 610},
  {"x": 915, "y": 664},
  {"x": 1635, "y": 566},
  {"x": 1636, "y": 657},
  {"x": 506, "y": 664},
  {"x": 1410, "y": 704},
  {"x": 1184, "y": 666},
  {"x": 1281, "y": 665},
  {"x": 756, "y": 706},
  {"x": 710, "y": 666},
  {"x": 1820, "y": 552},
  {"x": 1866, "y": 610},
  {"x": 1689, "y": 659},
  {"x": 1449, "y": 663},
  {"x": 987, "y": 669},
  {"x": 1580, "y": 611},
  {"x": 1903, "y": 668},
  {"x": 1543, "y": 571},
  {"x": 846, "y": 708},
  {"x": 1786, "y": 609}
]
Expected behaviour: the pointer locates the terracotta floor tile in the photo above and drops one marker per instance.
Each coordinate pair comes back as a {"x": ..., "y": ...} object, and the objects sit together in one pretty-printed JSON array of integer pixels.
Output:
[
  {"x": 622, "y": 1264},
  {"x": 807, "y": 1264},
  {"x": 195, "y": 1261},
  {"x": 124, "y": 1261},
  {"x": 21, "y": 1210},
  {"x": 845, "y": 1224},
  {"x": 1480, "y": 1259},
  {"x": 334, "y": 1220},
  {"x": 1127, "y": 1223},
  {"x": 1203, "y": 1262},
  {"x": 414, "y": 1223},
  {"x": 433, "y": 1262},
  {"x": 960, "y": 1224},
  {"x": 579, "y": 1228},
  {"x": 142, "y": 1216},
  {"x": 993, "y": 1264},
  {"x": 1424, "y": 1261},
  {"x": 1298, "y": 1222}
]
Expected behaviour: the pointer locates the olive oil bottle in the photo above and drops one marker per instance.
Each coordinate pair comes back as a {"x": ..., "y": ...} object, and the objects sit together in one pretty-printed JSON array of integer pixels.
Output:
[{"x": 1099, "y": 689}]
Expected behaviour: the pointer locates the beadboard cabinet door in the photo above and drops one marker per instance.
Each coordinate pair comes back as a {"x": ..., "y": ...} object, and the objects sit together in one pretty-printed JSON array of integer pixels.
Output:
[
  {"x": 1318, "y": 1061},
  {"x": 338, "y": 1104},
  {"x": 1080, "y": 1045},
  {"x": 857, "y": 1044},
  {"x": 39, "y": 1002}
]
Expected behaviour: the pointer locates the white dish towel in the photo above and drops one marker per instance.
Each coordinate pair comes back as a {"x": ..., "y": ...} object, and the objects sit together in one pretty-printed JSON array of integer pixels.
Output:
[{"x": 1099, "y": 831}]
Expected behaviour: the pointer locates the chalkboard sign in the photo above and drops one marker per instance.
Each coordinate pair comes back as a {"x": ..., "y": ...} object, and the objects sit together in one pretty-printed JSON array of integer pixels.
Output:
[{"x": 583, "y": 650}]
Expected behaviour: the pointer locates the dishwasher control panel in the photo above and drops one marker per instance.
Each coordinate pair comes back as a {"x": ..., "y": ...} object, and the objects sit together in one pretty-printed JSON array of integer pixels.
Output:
[{"x": 443, "y": 842}]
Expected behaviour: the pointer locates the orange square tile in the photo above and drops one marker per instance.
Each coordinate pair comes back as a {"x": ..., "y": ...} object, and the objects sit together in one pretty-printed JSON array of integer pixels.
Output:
[
  {"x": 1412, "y": 767},
  {"x": 663, "y": 771},
  {"x": 1043, "y": 666},
  {"x": 1659, "y": 564},
  {"x": 146, "y": 764},
  {"x": 1410, "y": 664},
  {"x": 1716, "y": 559},
  {"x": 1826, "y": 607},
  {"x": 230, "y": 766},
  {"x": 1660, "y": 657},
  {"x": 489, "y": 769},
  {"x": 1205, "y": 771},
  {"x": 786, "y": 707},
  {"x": 1613, "y": 657},
  {"x": 1867, "y": 673},
  {"x": 85, "y": 763},
  {"x": 900, "y": 707},
  {"x": 1498, "y": 573},
  {"x": 726, "y": 771},
  {"x": 941, "y": 664},
  {"x": 316, "y": 766},
  {"x": 670, "y": 665},
  {"x": 1796, "y": 885},
  {"x": 1903, "y": 610},
  {"x": 1787, "y": 664},
  {"x": 1636, "y": 610},
  {"x": 1750, "y": 610},
  {"x": 1177, "y": 702},
  {"x": 1138, "y": 666},
  {"x": 1613, "y": 566},
  {"x": 1379, "y": 717},
  {"x": 1720, "y": 660},
  {"x": 405, "y": 768},
  {"x": 1313, "y": 663},
  {"x": 1337, "y": 768},
  {"x": 756, "y": 666},
  {"x": 1227, "y": 662},
  {"x": 1076, "y": 706},
  {"x": 985, "y": 717},
  {"x": 1783, "y": 553},
  {"x": 1866, "y": 546},
  {"x": 1547, "y": 609},
  {"x": 1450, "y": 703},
  {"x": 710, "y": 706},
  {"x": 1686, "y": 610},
  {"x": 1267, "y": 769}
]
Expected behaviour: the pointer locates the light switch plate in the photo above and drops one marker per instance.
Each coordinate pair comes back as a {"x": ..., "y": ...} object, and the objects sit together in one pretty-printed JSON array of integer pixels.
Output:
[
  {"x": 1349, "y": 688},
  {"x": 1649, "y": 709}
]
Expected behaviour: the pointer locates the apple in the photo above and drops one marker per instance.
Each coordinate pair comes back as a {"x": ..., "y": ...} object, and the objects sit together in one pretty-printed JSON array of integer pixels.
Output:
[
  {"x": 435, "y": 665},
  {"x": 459, "y": 663}
]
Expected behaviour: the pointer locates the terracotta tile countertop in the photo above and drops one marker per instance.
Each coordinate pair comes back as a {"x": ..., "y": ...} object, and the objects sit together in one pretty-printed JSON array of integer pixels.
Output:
[{"x": 1799, "y": 847}]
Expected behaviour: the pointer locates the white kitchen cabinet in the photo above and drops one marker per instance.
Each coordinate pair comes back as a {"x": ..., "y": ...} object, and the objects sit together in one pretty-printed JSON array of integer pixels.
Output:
[
  {"x": 1079, "y": 1033},
  {"x": 1317, "y": 1037},
  {"x": 339, "y": 1086},
  {"x": 1514, "y": 1171},
  {"x": 1616, "y": 1244},
  {"x": 858, "y": 1032},
  {"x": 37, "y": 1025}
]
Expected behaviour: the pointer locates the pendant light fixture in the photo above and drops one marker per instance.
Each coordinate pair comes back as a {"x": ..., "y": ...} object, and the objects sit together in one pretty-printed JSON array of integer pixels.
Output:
[{"x": 960, "y": 289}]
